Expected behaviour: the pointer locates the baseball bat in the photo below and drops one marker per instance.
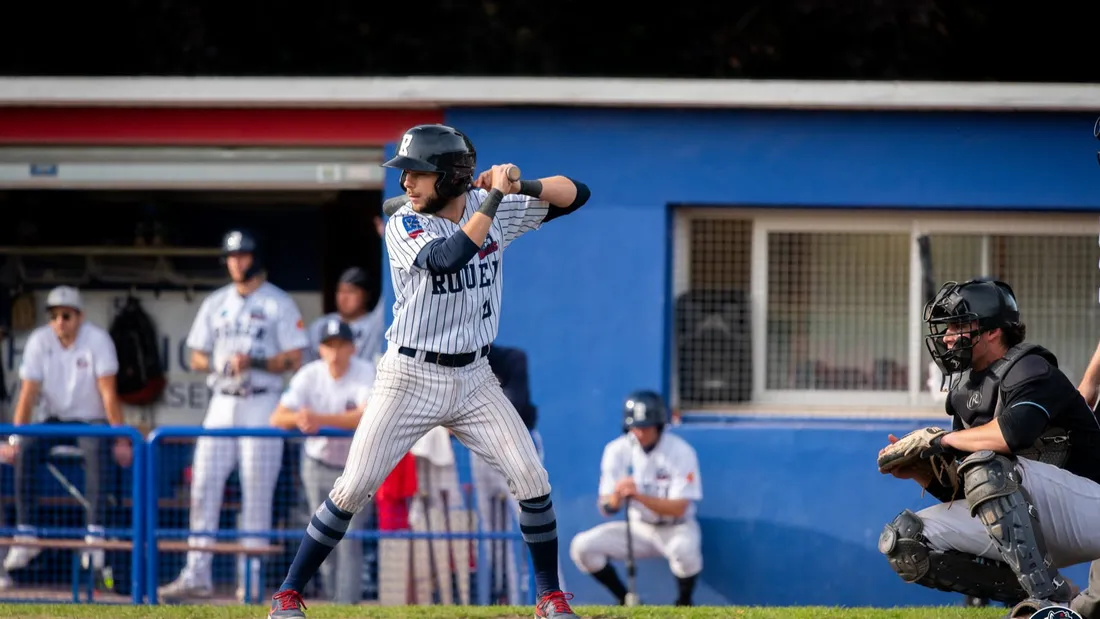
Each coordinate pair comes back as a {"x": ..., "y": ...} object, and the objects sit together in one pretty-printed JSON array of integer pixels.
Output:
[
  {"x": 389, "y": 207},
  {"x": 631, "y": 571},
  {"x": 927, "y": 281},
  {"x": 411, "y": 596},
  {"x": 392, "y": 205},
  {"x": 500, "y": 547},
  {"x": 433, "y": 572},
  {"x": 450, "y": 546}
]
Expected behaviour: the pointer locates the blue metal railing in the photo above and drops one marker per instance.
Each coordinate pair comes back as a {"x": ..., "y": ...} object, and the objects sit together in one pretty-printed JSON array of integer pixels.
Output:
[
  {"x": 152, "y": 533},
  {"x": 138, "y": 504}
]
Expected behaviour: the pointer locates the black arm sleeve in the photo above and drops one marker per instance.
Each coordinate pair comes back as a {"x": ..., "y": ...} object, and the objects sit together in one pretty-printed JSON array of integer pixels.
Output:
[
  {"x": 583, "y": 193},
  {"x": 447, "y": 255}
]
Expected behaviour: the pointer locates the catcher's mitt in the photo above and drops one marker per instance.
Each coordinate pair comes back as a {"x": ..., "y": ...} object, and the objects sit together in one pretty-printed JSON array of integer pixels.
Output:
[
  {"x": 907, "y": 451},
  {"x": 917, "y": 451}
]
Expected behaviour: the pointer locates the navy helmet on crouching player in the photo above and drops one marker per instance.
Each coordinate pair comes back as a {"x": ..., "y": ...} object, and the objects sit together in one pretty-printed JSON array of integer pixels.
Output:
[
  {"x": 1023, "y": 448},
  {"x": 644, "y": 409}
]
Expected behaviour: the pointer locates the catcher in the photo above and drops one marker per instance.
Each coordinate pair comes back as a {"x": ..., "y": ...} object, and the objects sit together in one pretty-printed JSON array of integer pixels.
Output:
[{"x": 1017, "y": 476}]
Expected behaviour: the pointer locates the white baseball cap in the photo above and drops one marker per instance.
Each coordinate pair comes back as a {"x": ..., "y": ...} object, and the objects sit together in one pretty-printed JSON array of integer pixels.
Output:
[{"x": 64, "y": 296}]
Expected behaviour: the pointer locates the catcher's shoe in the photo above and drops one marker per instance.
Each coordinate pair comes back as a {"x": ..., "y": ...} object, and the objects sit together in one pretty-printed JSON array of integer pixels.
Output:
[
  {"x": 287, "y": 604},
  {"x": 555, "y": 605}
]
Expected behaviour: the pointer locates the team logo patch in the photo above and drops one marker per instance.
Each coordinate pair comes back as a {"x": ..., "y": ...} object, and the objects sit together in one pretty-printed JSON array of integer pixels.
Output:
[
  {"x": 412, "y": 225},
  {"x": 1055, "y": 612},
  {"x": 488, "y": 247}
]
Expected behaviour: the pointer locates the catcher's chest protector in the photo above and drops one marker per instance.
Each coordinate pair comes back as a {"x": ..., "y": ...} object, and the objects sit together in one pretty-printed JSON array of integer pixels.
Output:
[{"x": 978, "y": 399}]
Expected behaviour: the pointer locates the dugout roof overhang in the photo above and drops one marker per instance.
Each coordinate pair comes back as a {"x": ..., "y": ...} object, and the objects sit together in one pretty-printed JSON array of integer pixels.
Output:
[{"x": 329, "y": 133}]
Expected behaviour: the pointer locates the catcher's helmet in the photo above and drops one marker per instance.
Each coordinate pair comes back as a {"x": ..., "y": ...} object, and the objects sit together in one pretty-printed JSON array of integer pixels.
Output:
[
  {"x": 440, "y": 149},
  {"x": 644, "y": 409},
  {"x": 972, "y": 308},
  {"x": 241, "y": 242}
]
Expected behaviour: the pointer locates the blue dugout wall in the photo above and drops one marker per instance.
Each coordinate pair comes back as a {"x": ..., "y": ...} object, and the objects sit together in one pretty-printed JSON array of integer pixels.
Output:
[{"x": 792, "y": 510}]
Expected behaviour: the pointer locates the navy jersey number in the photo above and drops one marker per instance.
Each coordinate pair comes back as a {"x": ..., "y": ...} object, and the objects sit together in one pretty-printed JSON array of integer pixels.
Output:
[{"x": 486, "y": 310}]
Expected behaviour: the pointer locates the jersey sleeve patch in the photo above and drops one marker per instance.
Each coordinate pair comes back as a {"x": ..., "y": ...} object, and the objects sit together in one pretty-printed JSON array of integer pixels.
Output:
[{"x": 412, "y": 225}]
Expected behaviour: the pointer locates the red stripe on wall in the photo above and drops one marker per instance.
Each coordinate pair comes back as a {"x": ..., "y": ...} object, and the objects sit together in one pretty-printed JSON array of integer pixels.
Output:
[{"x": 192, "y": 127}]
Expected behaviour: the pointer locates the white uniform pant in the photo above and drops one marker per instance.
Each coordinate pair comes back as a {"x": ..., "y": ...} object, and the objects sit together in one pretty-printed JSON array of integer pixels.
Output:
[
  {"x": 1068, "y": 508},
  {"x": 680, "y": 544},
  {"x": 409, "y": 398},
  {"x": 491, "y": 489},
  {"x": 259, "y": 461}
]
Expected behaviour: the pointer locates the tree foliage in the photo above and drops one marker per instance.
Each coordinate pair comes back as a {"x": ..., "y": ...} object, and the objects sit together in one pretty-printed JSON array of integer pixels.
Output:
[{"x": 973, "y": 40}]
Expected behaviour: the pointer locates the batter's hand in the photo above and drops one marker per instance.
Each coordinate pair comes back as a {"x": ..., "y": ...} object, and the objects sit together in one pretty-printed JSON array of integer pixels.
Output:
[
  {"x": 8, "y": 453},
  {"x": 626, "y": 488},
  {"x": 497, "y": 177},
  {"x": 123, "y": 452}
]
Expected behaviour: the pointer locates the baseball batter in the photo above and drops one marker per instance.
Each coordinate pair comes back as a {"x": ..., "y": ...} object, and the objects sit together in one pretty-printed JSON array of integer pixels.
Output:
[
  {"x": 658, "y": 472},
  {"x": 246, "y": 334},
  {"x": 446, "y": 254},
  {"x": 1017, "y": 475},
  {"x": 367, "y": 324}
]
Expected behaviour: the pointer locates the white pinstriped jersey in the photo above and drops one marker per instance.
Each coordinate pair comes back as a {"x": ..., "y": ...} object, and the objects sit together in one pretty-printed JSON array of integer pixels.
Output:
[
  {"x": 459, "y": 312},
  {"x": 264, "y": 324}
]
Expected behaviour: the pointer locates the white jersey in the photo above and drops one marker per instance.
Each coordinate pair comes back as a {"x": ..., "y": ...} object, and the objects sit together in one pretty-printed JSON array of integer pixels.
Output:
[
  {"x": 669, "y": 471},
  {"x": 369, "y": 331},
  {"x": 69, "y": 376},
  {"x": 264, "y": 324},
  {"x": 314, "y": 388},
  {"x": 460, "y": 312}
]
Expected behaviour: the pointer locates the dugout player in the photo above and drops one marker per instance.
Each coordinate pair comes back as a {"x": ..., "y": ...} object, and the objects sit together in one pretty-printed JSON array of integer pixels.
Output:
[
  {"x": 246, "y": 335},
  {"x": 445, "y": 247},
  {"x": 658, "y": 472},
  {"x": 1024, "y": 449},
  {"x": 367, "y": 323},
  {"x": 330, "y": 392},
  {"x": 71, "y": 364}
]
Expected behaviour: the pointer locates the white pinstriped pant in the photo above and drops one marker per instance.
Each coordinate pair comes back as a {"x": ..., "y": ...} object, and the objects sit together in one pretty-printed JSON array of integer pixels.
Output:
[{"x": 409, "y": 398}]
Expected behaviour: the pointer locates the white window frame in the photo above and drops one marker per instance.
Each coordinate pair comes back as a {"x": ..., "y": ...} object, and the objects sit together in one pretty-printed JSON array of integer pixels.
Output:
[{"x": 916, "y": 400}]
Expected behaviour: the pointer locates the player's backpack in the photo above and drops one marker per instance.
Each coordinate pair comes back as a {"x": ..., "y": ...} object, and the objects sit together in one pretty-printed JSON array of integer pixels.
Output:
[{"x": 141, "y": 378}]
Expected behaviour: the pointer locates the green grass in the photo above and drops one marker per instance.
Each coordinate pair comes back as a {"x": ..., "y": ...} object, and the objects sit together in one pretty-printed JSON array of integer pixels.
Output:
[{"x": 73, "y": 611}]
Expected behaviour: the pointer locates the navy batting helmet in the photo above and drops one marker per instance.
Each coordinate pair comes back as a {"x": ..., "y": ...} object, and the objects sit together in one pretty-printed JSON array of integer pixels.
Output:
[
  {"x": 241, "y": 242},
  {"x": 644, "y": 409},
  {"x": 440, "y": 149}
]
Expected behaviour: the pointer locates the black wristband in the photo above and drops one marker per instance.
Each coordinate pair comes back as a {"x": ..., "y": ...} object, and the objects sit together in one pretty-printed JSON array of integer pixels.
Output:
[
  {"x": 492, "y": 201},
  {"x": 258, "y": 363},
  {"x": 531, "y": 188}
]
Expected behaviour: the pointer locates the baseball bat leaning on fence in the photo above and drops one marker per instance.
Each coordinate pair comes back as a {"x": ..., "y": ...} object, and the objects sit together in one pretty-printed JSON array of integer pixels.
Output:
[
  {"x": 390, "y": 206},
  {"x": 631, "y": 572},
  {"x": 451, "y": 559}
]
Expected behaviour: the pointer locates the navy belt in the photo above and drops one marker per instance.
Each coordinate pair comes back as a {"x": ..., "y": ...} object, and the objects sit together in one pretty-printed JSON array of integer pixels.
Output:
[{"x": 451, "y": 361}]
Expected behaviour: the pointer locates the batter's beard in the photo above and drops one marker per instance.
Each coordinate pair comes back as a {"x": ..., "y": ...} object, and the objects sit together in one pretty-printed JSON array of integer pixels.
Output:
[{"x": 433, "y": 205}]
